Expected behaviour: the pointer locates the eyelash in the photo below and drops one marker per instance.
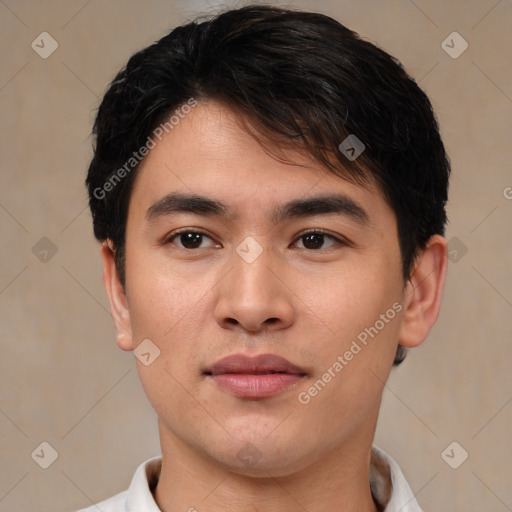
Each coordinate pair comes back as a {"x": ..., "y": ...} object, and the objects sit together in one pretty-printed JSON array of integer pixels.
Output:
[{"x": 316, "y": 231}]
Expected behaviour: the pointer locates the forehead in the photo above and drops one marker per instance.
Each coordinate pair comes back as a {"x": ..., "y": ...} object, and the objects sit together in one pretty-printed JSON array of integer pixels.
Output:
[{"x": 208, "y": 152}]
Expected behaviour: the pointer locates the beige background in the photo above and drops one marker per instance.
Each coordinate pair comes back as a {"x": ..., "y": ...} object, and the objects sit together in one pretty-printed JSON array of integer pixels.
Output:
[{"x": 64, "y": 381}]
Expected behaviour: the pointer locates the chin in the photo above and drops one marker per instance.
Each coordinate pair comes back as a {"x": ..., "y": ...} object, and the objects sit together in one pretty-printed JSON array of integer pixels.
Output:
[{"x": 262, "y": 457}]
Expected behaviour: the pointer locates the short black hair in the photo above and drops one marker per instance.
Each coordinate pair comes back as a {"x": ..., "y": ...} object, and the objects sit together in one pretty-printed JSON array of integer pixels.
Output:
[{"x": 302, "y": 80}]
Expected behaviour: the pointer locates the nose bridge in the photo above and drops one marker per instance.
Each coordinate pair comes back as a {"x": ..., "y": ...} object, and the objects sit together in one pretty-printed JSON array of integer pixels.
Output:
[
  {"x": 252, "y": 271},
  {"x": 252, "y": 295}
]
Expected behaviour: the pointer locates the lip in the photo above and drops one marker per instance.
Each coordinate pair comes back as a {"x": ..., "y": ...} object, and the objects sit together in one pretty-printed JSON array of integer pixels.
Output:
[{"x": 255, "y": 377}]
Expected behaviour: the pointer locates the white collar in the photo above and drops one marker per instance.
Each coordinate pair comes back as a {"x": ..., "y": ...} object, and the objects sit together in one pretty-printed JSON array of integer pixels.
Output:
[{"x": 388, "y": 484}]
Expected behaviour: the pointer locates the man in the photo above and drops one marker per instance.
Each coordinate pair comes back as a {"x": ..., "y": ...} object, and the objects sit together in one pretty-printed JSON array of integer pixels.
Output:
[{"x": 269, "y": 191}]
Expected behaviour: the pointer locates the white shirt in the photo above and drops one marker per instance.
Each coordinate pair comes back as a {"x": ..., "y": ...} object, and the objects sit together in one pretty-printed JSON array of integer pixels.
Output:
[{"x": 389, "y": 488}]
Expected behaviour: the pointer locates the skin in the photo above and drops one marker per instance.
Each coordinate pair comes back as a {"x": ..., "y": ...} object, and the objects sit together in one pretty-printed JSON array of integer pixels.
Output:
[{"x": 302, "y": 301}]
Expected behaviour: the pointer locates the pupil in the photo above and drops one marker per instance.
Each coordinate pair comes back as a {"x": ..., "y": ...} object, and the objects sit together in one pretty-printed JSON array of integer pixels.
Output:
[
  {"x": 315, "y": 239},
  {"x": 193, "y": 239}
]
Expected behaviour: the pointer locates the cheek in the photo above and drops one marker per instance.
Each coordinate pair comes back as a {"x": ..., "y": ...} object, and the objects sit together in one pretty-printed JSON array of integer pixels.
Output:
[
  {"x": 350, "y": 301},
  {"x": 361, "y": 314},
  {"x": 170, "y": 311},
  {"x": 362, "y": 310},
  {"x": 162, "y": 300},
  {"x": 353, "y": 367}
]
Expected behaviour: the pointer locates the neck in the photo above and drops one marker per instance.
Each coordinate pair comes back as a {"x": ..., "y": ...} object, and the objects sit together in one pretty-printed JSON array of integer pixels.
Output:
[{"x": 337, "y": 480}]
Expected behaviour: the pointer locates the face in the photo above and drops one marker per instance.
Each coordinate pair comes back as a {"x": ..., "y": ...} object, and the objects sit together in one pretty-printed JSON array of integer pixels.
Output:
[{"x": 267, "y": 260}]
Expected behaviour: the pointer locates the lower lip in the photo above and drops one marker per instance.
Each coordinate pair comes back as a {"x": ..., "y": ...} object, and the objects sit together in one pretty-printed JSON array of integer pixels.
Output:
[{"x": 256, "y": 386}]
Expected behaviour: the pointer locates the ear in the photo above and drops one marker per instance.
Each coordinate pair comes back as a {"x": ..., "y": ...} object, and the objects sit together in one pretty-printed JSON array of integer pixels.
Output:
[
  {"x": 116, "y": 297},
  {"x": 423, "y": 293}
]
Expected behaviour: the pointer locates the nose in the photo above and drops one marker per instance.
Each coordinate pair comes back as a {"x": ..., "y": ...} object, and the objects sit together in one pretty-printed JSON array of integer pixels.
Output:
[{"x": 255, "y": 296}]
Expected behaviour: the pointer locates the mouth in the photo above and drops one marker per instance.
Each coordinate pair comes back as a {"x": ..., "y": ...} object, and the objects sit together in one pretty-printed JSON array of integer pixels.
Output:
[{"x": 256, "y": 377}]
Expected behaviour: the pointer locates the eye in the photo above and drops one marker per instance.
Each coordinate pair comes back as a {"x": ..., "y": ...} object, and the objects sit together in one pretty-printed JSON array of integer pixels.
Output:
[
  {"x": 190, "y": 239},
  {"x": 315, "y": 239}
]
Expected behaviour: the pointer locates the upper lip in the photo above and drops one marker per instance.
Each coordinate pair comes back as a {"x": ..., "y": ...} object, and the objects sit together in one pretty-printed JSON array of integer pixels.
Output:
[{"x": 260, "y": 364}]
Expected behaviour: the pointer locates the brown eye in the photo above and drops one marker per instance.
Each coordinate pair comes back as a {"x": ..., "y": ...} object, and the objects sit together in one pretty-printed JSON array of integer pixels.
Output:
[
  {"x": 189, "y": 239},
  {"x": 314, "y": 240}
]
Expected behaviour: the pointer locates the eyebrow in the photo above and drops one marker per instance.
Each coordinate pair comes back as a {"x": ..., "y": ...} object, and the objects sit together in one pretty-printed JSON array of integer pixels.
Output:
[{"x": 343, "y": 205}]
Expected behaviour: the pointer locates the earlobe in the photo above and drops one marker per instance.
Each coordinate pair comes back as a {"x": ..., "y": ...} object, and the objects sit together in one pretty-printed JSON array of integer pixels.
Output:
[
  {"x": 423, "y": 293},
  {"x": 116, "y": 297}
]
